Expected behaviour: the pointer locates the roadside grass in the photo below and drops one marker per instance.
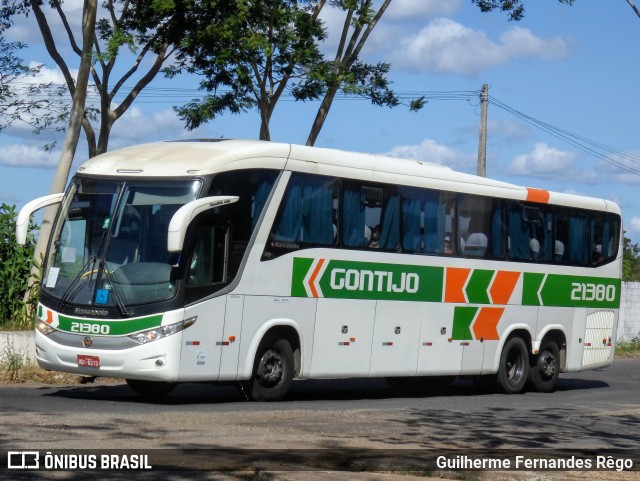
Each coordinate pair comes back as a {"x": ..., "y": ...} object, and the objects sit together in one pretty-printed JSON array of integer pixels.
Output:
[
  {"x": 629, "y": 348},
  {"x": 16, "y": 367}
]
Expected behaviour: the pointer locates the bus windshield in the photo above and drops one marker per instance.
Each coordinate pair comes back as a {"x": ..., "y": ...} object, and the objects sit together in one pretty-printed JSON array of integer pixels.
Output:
[{"x": 109, "y": 246}]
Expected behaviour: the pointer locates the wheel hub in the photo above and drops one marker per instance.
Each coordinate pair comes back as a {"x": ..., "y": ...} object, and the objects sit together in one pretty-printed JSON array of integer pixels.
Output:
[
  {"x": 271, "y": 367},
  {"x": 546, "y": 365}
]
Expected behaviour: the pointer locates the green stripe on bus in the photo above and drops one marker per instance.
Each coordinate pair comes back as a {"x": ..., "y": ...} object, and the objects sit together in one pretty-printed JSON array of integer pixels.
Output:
[
  {"x": 369, "y": 280},
  {"x": 107, "y": 327},
  {"x": 462, "y": 319},
  {"x": 300, "y": 268},
  {"x": 530, "y": 286},
  {"x": 478, "y": 286},
  {"x": 571, "y": 291}
]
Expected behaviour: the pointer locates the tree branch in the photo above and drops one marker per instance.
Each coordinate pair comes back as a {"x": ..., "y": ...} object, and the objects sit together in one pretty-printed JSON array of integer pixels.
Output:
[
  {"x": 50, "y": 44},
  {"x": 370, "y": 27},
  {"x": 635, "y": 9},
  {"x": 142, "y": 83},
  {"x": 67, "y": 27}
]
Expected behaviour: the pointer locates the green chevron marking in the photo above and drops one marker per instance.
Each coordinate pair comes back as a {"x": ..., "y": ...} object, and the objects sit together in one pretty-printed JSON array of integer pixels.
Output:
[
  {"x": 462, "y": 319},
  {"x": 478, "y": 286}
]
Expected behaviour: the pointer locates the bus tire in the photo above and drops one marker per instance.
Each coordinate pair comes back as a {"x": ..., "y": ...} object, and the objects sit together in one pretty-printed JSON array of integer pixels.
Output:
[
  {"x": 151, "y": 389},
  {"x": 272, "y": 370},
  {"x": 544, "y": 372},
  {"x": 513, "y": 370}
]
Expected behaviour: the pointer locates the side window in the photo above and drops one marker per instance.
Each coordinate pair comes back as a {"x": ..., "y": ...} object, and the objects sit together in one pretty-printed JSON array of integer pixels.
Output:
[
  {"x": 604, "y": 237},
  {"x": 572, "y": 228},
  {"x": 370, "y": 216},
  {"x": 209, "y": 268},
  {"x": 426, "y": 221},
  {"x": 479, "y": 225},
  {"x": 307, "y": 214},
  {"x": 530, "y": 232}
]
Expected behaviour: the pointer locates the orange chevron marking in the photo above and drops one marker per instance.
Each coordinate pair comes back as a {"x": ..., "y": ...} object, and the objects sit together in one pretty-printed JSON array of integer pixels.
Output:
[
  {"x": 456, "y": 279},
  {"x": 503, "y": 286},
  {"x": 312, "y": 279},
  {"x": 538, "y": 195},
  {"x": 49, "y": 317},
  {"x": 486, "y": 324}
]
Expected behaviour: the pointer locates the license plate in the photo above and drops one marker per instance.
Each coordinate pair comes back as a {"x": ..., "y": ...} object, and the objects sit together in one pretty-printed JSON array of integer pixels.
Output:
[{"x": 88, "y": 361}]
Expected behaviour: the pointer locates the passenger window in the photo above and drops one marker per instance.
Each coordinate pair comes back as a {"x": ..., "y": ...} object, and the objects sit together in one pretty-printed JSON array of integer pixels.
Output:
[
  {"x": 530, "y": 232},
  {"x": 475, "y": 225},
  {"x": 424, "y": 221},
  {"x": 370, "y": 216},
  {"x": 307, "y": 213},
  {"x": 604, "y": 240},
  {"x": 572, "y": 227}
]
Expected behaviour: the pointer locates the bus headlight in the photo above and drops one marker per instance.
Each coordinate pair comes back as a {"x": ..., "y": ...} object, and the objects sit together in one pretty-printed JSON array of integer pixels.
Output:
[
  {"x": 44, "y": 328},
  {"x": 156, "y": 333}
]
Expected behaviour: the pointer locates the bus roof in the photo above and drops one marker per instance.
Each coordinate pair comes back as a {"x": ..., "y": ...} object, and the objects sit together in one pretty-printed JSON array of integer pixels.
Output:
[{"x": 203, "y": 157}]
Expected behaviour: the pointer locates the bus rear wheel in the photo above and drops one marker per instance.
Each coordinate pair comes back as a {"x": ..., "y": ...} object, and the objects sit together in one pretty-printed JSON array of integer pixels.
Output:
[
  {"x": 272, "y": 370},
  {"x": 151, "y": 389},
  {"x": 544, "y": 372},
  {"x": 513, "y": 370}
]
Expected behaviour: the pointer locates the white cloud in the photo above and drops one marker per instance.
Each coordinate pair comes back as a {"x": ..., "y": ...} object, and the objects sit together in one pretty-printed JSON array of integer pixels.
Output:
[
  {"x": 633, "y": 224},
  {"x": 621, "y": 169},
  {"x": 26, "y": 29},
  {"x": 448, "y": 47},
  {"x": 16, "y": 155},
  {"x": 550, "y": 163},
  {"x": 509, "y": 131},
  {"x": 416, "y": 9},
  {"x": 392, "y": 26},
  {"x": 48, "y": 75},
  {"x": 431, "y": 151},
  {"x": 136, "y": 127}
]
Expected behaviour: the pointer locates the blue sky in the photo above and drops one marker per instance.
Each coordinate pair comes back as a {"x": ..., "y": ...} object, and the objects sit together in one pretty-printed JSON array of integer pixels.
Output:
[{"x": 575, "y": 68}]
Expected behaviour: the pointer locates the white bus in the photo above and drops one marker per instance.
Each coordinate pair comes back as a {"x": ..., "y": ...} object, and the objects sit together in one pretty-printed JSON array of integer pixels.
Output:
[{"x": 260, "y": 262}]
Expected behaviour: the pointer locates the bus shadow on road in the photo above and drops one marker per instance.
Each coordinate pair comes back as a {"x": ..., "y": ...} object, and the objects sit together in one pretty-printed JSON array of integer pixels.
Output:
[{"x": 308, "y": 390}]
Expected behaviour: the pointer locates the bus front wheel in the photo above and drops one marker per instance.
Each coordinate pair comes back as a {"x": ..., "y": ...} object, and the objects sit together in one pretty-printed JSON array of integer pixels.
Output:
[
  {"x": 272, "y": 370},
  {"x": 514, "y": 366},
  {"x": 546, "y": 368}
]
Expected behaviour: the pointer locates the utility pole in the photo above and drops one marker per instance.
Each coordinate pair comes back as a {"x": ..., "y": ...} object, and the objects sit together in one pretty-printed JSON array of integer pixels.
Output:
[{"x": 482, "y": 146}]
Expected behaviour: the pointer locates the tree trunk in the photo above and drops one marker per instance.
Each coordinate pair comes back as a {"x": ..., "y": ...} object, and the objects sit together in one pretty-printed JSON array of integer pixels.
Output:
[
  {"x": 321, "y": 116},
  {"x": 266, "y": 109},
  {"x": 75, "y": 124}
]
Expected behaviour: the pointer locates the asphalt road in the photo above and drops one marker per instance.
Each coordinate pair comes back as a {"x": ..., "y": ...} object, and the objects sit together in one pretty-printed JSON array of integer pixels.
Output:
[{"x": 595, "y": 410}]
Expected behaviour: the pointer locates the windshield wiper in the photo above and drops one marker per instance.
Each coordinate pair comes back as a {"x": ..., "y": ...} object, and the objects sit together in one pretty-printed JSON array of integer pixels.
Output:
[
  {"x": 90, "y": 268},
  {"x": 72, "y": 290},
  {"x": 117, "y": 295}
]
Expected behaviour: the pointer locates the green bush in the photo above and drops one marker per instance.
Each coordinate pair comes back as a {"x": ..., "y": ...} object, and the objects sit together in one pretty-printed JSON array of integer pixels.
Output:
[{"x": 15, "y": 268}]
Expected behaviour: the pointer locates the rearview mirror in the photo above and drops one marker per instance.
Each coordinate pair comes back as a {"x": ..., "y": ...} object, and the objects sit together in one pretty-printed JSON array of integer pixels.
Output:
[{"x": 185, "y": 214}]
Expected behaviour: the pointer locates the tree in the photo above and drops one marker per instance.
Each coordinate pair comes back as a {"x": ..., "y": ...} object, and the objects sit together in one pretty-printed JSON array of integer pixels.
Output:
[
  {"x": 22, "y": 100},
  {"x": 14, "y": 269},
  {"x": 253, "y": 51},
  {"x": 630, "y": 261},
  {"x": 77, "y": 118},
  {"x": 141, "y": 26},
  {"x": 346, "y": 71},
  {"x": 247, "y": 51},
  {"x": 514, "y": 8}
]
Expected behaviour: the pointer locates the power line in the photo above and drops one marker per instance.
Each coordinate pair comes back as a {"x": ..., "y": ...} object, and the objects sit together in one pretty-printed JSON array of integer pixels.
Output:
[
  {"x": 175, "y": 95},
  {"x": 594, "y": 148}
]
